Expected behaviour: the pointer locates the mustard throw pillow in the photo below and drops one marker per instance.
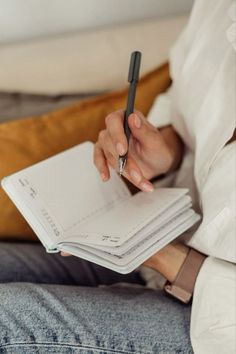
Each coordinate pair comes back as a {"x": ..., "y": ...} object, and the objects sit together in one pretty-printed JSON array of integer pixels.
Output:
[{"x": 27, "y": 141}]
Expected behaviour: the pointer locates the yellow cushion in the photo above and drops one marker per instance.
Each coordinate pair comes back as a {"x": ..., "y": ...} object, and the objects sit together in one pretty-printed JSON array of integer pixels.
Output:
[{"x": 27, "y": 141}]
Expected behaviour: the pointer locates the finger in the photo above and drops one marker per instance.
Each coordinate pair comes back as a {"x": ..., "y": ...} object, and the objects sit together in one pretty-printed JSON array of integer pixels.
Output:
[
  {"x": 100, "y": 162},
  {"x": 133, "y": 173},
  {"x": 108, "y": 149},
  {"x": 115, "y": 127},
  {"x": 110, "y": 152},
  {"x": 65, "y": 254},
  {"x": 144, "y": 132}
]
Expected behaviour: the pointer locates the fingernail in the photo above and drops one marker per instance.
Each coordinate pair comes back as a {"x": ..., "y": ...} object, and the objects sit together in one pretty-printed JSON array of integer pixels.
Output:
[
  {"x": 137, "y": 121},
  {"x": 135, "y": 176},
  {"x": 120, "y": 149},
  {"x": 147, "y": 187},
  {"x": 103, "y": 177}
]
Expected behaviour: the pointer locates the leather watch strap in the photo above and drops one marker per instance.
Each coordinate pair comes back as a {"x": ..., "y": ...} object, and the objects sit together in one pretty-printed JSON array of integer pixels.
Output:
[{"x": 182, "y": 287}]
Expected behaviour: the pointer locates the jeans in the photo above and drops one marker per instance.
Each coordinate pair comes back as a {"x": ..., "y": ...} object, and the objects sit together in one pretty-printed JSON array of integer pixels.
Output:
[{"x": 52, "y": 304}]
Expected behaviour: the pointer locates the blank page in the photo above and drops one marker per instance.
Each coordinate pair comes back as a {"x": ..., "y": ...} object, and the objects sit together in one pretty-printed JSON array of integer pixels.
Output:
[{"x": 117, "y": 225}]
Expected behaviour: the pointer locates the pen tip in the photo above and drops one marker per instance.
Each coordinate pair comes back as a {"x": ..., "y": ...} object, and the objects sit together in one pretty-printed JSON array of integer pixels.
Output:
[{"x": 122, "y": 162}]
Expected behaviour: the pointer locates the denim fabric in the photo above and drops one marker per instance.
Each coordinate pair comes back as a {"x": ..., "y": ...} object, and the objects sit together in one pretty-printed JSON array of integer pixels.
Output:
[
  {"x": 82, "y": 318},
  {"x": 29, "y": 262}
]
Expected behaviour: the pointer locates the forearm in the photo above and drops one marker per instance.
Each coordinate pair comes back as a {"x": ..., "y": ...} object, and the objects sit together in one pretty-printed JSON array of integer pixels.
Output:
[{"x": 168, "y": 260}]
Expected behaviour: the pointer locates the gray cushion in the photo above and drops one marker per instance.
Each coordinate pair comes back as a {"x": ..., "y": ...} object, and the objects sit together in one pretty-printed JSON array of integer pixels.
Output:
[{"x": 19, "y": 105}]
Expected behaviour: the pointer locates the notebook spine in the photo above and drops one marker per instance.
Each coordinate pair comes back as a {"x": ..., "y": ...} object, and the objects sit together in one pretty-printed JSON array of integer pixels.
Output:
[{"x": 52, "y": 250}]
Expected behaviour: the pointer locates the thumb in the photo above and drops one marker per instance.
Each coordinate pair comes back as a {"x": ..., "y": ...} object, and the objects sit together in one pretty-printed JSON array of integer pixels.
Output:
[{"x": 141, "y": 129}]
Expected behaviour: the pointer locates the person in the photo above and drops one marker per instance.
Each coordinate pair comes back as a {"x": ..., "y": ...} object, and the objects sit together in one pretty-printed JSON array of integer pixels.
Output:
[{"x": 189, "y": 137}]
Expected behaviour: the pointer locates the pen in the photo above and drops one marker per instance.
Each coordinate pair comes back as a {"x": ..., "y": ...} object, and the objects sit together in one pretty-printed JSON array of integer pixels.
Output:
[{"x": 133, "y": 77}]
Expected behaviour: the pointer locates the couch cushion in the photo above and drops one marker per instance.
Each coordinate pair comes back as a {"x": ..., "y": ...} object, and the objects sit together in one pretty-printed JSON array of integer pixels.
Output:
[
  {"x": 16, "y": 105},
  {"x": 27, "y": 141},
  {"x": 86, "y": 62}
]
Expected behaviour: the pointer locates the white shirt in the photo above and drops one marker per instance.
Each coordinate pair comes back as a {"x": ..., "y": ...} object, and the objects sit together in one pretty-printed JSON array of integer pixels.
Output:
[{"x": 201, "y": 107}]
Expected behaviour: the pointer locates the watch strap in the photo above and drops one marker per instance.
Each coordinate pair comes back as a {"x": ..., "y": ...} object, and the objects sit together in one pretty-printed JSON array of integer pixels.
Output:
[{"x": 183, "y": 286}]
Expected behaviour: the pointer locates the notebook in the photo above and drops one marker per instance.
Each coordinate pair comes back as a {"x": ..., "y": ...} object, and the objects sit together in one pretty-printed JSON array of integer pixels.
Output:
[{"x": 70, "y": 209}]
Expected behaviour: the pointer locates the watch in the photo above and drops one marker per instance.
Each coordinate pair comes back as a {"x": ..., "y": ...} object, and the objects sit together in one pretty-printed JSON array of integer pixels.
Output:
[{"x": 183, "y": 285}]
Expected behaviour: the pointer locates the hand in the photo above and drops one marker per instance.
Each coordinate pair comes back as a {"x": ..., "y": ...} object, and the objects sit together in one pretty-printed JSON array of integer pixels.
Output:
[{"x": 149, "y": 154}]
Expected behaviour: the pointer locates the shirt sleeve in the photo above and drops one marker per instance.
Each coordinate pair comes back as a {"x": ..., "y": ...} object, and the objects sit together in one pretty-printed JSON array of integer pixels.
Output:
[
  {"x": 160, "y": 113},
  {"x": 216, "y": 233},
  {"x": 213, "y": 319}
]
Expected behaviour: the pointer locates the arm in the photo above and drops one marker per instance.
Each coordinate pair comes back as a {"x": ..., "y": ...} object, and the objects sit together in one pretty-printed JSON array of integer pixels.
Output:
[
  {"x": 152, "y": 152},
  {"x": 169, "y": 260},
  {"x": 180, "y": 265}
]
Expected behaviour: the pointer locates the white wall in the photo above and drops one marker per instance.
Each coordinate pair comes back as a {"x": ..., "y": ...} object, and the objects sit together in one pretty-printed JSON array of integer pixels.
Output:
[{"x": 26, "y": 19}]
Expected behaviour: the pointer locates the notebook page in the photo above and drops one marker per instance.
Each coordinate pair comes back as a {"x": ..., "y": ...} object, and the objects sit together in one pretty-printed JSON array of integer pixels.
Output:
[
  {"x": 124, "y": 265},
  {"x": 136, "y": 261},
  {"x": 148, "y": 239},
  {"x": 175, "y": 225},
  {"x": 117, "y": 225},
  {"x": 181, "y": 206},
  {"x": 66, "y": 190}
]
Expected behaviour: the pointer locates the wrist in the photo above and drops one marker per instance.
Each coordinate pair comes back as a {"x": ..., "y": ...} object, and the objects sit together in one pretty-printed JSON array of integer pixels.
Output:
[
  {"x": 175, "y": 147},
  {"x": 170, "y": 154},
  {"x": 169, "y": 260},
  {"x": 182, "y": 287}
]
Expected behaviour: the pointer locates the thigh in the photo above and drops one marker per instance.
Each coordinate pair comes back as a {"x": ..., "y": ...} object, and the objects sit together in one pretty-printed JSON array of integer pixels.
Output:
[
  {"x": 29, "y": 262},
  {"x": 69, "y": 319}
]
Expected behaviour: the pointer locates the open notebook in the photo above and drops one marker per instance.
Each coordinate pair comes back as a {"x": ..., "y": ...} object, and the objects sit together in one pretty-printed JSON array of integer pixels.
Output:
[{"x": 71, "y": 209}]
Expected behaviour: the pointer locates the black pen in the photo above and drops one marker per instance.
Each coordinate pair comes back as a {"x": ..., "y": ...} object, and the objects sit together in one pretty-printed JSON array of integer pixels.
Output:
[{"x": 133, "y": 77}]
